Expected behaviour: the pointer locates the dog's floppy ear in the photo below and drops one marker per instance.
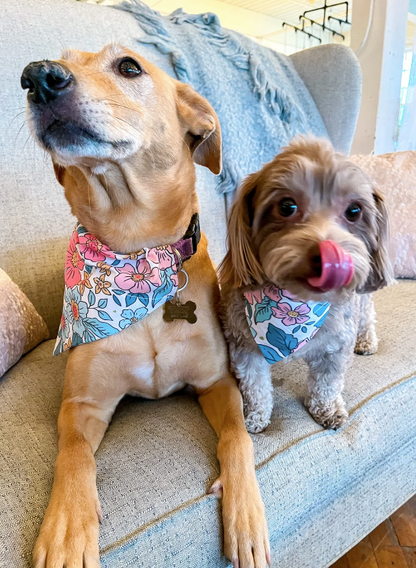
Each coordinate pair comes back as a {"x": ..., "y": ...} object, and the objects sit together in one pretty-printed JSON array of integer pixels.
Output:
[
  {"x": 240, "y": 266},
  {"x": 381, "y": 272},
  {"x": 59, "y": 172},
  {"x": 202, "y": 128}
]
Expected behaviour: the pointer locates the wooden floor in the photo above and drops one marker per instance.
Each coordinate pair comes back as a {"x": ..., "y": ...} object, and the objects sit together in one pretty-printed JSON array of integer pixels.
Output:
[{"x": 392, "y": 544}]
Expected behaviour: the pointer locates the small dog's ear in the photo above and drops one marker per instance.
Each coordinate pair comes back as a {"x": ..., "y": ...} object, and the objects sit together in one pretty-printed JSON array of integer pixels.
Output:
[
  {"x": 202, "y": 128},
  {"x": 240, "y": 266},
  {"x": 59, "y": 173},
  {"x": 381, "y": 272}
]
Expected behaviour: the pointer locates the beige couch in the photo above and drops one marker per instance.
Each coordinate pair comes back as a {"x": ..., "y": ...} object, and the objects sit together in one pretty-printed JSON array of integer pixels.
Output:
[{"x": 323, "y": 490}]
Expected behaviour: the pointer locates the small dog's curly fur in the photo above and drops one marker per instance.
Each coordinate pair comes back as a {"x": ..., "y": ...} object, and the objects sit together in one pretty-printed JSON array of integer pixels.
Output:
[{"x": 266, "y": 247}]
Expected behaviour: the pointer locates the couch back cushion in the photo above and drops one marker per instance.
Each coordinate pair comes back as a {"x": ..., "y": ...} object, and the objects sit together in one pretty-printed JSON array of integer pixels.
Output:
[{"x": 35, "y": 219}]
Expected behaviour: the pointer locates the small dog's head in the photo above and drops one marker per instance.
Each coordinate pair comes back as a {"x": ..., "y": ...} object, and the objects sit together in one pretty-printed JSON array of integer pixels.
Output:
[
  {"x": 309, "y": 221},
  {"x": 90, "y": 109}
]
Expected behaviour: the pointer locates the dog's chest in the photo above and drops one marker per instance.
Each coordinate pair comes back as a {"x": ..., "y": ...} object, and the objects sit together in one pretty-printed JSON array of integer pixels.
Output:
[{"x": 149, "y": 382}]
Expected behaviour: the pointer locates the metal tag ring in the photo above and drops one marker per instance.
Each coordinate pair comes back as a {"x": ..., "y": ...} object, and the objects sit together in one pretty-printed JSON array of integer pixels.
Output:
[{"x": 186, "y": 280}]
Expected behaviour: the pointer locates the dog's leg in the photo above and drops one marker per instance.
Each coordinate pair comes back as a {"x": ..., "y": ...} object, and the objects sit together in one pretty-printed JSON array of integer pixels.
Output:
[
  {"x": 69, "y": 532},
  {"x": 367, "y": 341},
  {"x": 253, "y": 372},
  {"x": 246, "y": 540},
  {"x": 326, "y": 382}
]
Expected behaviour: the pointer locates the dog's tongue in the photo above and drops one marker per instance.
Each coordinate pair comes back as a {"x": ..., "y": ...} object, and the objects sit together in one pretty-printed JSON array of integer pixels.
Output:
[{"x": 337, "y": 267}]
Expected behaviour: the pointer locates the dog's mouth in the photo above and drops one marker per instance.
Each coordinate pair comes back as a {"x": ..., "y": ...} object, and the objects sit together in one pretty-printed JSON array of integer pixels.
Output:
[{"x": 61, "y": 134}]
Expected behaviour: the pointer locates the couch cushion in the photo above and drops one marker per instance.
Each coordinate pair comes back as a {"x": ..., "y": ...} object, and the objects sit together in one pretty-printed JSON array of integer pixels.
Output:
[
  {"x": 32, "y": 204},
  {"x": 323, "y": 490}
]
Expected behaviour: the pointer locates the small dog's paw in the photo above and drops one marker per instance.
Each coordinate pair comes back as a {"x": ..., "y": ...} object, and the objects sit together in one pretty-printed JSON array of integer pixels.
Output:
[
  {"x": 256, "y": 422},
  {"x": 330, "y": 415},
  {"x": 367, "y": 344}
]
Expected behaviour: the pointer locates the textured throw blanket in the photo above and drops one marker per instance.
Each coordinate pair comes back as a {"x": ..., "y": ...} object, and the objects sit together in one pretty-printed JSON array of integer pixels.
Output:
[{"x": 260, "y": 99}]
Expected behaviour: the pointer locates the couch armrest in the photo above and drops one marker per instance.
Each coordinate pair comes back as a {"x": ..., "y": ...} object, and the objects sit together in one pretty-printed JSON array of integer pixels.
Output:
[{"x": 332, "y": 74}]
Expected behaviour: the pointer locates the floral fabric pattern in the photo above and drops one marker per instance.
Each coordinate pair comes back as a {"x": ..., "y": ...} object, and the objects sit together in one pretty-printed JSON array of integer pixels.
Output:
[
  {"x": 281, "y": 323},
  {"x": 106, "y": 292}
]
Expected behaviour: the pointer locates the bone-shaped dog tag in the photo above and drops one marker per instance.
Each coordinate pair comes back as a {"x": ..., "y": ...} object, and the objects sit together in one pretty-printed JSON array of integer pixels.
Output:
[{"x": 174, "y": 310}]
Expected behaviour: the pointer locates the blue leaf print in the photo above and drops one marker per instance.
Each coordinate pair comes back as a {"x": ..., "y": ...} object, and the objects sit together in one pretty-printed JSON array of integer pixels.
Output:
[
  {"x": 102, "y": 304},
  {"x": 99, "y": 328},
  {"x": 163, "y": 290},
  {"x": 88, "y": 336},
  {"x": 91, "y": 298},
  {"x": 76, "y": 340},
  {"x": 296, "y": 329},
  {"x": 284, "y": 342},
  {"x": 116, "y": 300},
  {"x": 88, "y": 268},
  {"x": 119, "y": 292},
  {"x": 270, "y": 354},
  {"x": 116, "y": 262},
  {"x": 130, "y": 299},
  {"x": 304, "y": 329},
  {"x": 263, "y": 311},
  {"x": 104, "y": 315},
  {"x": 144, "y": 298},
  {"x": 320, "y": 309}
]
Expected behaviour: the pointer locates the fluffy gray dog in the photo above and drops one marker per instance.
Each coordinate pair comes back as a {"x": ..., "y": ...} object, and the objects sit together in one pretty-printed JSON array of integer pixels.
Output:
[{"x": 307, "y": 246}]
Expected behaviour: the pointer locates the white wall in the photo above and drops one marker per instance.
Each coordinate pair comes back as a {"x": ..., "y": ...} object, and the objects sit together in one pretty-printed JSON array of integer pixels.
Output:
[{"x": 381, "y": 60}]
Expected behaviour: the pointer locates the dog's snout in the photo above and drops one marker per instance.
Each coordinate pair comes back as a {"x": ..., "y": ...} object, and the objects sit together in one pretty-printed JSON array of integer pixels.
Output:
[{"x": 46, "y": 80}]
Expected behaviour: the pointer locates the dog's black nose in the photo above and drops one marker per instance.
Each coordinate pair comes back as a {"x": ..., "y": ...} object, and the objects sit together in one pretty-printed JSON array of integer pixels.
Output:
[{"x": 46, "y": 80}]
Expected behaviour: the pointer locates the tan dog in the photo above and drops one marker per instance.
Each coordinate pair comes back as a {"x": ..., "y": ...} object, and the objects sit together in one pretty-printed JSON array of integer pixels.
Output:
[{"x": 123, "y": 137}]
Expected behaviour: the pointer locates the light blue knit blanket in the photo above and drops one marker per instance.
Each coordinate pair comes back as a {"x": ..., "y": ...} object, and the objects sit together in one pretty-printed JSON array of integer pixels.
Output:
[{"x": 261, "y": 101}]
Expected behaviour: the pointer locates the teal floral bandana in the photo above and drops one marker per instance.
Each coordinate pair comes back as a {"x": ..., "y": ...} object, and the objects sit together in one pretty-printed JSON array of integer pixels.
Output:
[
  {"x": 105, "y": 292},
  {"x": 280, "y": 323}
]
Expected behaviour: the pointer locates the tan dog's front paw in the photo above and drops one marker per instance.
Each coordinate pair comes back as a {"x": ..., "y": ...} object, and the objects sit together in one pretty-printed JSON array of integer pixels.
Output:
[
  {"x": 69, "y": 536},
  {"x": 246, "y": 537},
  {"x": 331, "y": 415}
]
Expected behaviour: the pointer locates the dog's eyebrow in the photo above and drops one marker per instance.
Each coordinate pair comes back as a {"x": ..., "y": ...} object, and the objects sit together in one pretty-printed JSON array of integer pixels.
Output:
[{"x": 114, "y": 49}]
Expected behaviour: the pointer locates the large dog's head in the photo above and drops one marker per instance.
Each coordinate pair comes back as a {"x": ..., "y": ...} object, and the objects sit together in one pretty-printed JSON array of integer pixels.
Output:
[
  {"x": 310, "y": 221},
  {"x": 123, "y": 137},
  {"x": 96, "y": 108}
]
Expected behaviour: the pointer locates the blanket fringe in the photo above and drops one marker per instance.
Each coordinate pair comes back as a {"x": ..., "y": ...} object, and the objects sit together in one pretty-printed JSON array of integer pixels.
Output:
[{"x": 210, "y": 26}]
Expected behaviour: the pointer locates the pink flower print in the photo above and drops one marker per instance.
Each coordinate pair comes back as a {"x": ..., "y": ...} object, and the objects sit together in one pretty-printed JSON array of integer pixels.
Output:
[
  {"x": 289, "y": 315},
  {"x": 73, "y": 264},
  {"x": 92, "y": 249},
  {"x": 273, "y": 293},
  {"x": 160, "y": 255},
  {"x": 136, "y": 278},
  {"x": 253, "y": 295}
]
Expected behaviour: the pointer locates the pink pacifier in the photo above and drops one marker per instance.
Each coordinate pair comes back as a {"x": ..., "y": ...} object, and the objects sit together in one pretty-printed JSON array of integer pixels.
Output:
[{"x": 337, "y": 267}]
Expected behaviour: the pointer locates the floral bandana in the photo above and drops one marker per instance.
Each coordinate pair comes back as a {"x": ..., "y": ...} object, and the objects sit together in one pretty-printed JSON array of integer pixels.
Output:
[
  {"x": 105, "y": 292},
  {"x": 281, "y": 323}
]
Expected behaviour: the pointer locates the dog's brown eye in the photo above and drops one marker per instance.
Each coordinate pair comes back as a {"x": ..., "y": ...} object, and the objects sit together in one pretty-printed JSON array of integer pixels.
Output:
[
  {"x": 129, "y": 68},
  {"x": 353, "y": 212},
  {"x": 287, "y": 207}
]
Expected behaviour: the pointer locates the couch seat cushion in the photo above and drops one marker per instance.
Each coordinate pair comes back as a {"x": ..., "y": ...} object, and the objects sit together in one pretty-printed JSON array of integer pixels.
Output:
[{"x": 157, "y": 460}]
